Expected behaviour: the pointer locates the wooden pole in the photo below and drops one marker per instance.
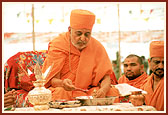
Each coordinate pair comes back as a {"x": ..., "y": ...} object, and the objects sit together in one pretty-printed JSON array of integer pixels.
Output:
[
  {"x": 33, "y": 34},
  {"x": 119, "y": 57}
]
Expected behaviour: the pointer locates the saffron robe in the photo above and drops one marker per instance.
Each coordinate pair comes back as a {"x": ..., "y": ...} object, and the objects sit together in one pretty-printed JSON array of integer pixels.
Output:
[
  {"x": 154, "y": 98},
  {"x": 138, "y": 82},
  {"x": 87, "y": 67}
]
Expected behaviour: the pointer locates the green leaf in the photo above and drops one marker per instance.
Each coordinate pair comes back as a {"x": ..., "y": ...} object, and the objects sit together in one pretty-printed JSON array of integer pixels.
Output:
[{"x": 7, "y": 109}]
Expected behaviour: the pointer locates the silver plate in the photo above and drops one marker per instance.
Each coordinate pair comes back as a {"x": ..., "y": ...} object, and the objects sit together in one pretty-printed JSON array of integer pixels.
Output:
[
  {"x": 64, "y": 104},
  {"x": 96, "y": 101}
]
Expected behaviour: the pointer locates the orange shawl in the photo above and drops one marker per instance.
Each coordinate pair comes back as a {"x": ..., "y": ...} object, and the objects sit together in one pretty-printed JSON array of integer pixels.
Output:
[
  {"x": 138, "y": 82},
  {"x": 89, "y": 65},
  {"x": 154, "y": 98}
]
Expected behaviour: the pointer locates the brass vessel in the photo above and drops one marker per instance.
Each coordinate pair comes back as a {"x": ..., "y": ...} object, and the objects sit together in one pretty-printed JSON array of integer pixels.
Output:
[{"x": 39, "y": 96}]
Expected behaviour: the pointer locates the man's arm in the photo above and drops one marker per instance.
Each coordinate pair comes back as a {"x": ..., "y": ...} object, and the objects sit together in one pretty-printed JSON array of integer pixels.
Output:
[
  {"x": 106, "y": 82},
  {"x": 66, "y": 83},
  {"x": 104, "y": 86},
  {"x": 56, "y": 81}
]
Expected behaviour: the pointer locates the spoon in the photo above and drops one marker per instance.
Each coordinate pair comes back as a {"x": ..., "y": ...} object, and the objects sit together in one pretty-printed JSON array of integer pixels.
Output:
[{"x": 79, "y": 89}]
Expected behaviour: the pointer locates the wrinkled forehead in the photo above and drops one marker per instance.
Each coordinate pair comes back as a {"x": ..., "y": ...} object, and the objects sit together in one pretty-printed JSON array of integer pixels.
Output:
[
  {"x": 157, "y": 59},
  {"x": 82, "y": 30}
]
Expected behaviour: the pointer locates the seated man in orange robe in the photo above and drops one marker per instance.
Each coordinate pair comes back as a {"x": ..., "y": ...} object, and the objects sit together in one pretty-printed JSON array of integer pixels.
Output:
[
  {"x": 77, "y": 60},
  {"x": 134, "y": 73},
  {"x": 155, "y": 82}
]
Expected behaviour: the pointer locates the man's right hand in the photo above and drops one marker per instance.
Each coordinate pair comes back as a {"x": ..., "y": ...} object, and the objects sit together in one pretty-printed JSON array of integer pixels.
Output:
[{"x": 67, "y": 85}]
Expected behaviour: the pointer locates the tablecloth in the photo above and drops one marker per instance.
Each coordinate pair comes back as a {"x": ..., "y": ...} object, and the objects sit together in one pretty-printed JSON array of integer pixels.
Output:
[{"x": 108, "y": 108}]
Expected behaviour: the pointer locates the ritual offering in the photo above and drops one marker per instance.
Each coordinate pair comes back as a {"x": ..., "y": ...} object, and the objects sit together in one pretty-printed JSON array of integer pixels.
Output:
[
  {"x": 137, "y": 99},
  {"x": 39, "y": 96},
  {"x": 127, "y": 90}
]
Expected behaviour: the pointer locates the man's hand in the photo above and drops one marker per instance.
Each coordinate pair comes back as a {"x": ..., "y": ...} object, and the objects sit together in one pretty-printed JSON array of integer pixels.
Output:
[
  {"x": 10, "y": 98},
  {"x": 137, "y": 100},
  {"x": 67, "y": 85},
  {"x": 100, "y": 93},
  {"x": 104, "y": 87}
]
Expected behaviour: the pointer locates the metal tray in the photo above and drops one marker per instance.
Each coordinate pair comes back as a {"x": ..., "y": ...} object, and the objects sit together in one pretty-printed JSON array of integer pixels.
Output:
[
  {"x": 96, "y": 101},
  {"x": 64, "y": 104}
]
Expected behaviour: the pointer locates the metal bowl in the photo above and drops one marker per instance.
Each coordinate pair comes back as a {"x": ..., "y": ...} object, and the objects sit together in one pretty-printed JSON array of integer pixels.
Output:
[
  {"x": 87, "y": 101},
  {"x": 64, "y": 104}
]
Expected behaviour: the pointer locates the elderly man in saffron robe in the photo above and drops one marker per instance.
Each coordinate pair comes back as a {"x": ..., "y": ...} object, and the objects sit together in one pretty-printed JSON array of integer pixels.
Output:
[
  {"x": 155, "y": 82},
  {"x": 78, "y": 61}
]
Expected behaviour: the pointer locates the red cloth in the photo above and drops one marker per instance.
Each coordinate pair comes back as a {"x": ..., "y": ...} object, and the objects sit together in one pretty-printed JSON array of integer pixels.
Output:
[
  {"x": 113, "y": 79},
  {"x": 22, "y": 100},
  {"x": 15, "y": 76}
]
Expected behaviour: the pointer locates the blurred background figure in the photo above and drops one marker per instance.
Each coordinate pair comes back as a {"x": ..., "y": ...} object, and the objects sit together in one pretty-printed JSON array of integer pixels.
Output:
[
  {"x": 115, "y": 64},
  {"x": 145, "y": 62}
]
